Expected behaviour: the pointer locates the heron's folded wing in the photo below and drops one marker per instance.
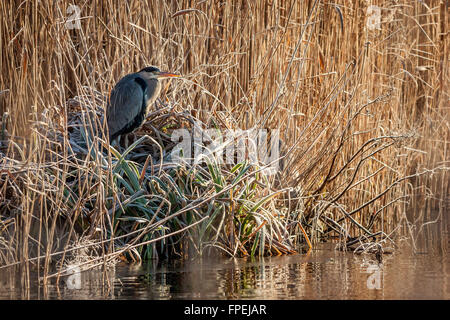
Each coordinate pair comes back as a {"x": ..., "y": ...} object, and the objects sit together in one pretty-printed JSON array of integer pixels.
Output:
[{"x": 125, "y": 104}]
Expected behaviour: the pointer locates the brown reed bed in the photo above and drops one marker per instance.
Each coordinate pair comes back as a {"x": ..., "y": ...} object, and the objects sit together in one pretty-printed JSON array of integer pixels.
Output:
[{"x": 362, "y": 112}]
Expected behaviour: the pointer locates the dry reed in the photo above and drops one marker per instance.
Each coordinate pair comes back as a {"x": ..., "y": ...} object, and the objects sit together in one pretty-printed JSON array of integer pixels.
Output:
[{"x": 363, "y": 113}]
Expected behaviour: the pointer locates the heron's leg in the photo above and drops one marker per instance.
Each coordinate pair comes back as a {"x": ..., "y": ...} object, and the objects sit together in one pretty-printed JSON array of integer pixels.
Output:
[
  {"x": 116, "y": 143},
  {"x": 126, "y": 141}
]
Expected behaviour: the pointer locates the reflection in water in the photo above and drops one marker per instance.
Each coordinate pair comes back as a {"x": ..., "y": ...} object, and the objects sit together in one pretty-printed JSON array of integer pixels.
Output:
[{"x": 322, "y": 274}]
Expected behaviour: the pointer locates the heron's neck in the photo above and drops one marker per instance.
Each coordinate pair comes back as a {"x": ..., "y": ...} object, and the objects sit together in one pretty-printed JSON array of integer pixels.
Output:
[{"x": 154, "y": 84}]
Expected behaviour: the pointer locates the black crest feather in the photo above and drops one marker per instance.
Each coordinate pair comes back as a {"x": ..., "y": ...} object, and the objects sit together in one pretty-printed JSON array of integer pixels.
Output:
[{"x": 150, "y": 69}]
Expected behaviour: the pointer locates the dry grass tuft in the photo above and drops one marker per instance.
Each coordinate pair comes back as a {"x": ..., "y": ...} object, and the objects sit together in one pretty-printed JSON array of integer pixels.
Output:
[{"x": 362, "y": 112}]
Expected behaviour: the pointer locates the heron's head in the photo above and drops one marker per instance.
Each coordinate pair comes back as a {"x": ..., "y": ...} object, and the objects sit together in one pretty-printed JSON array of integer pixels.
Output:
[{"x": 155, "y": 73}]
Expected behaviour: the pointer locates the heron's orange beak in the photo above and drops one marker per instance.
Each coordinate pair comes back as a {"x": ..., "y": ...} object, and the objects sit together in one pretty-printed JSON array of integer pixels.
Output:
[{"x": 168, "y": 75}]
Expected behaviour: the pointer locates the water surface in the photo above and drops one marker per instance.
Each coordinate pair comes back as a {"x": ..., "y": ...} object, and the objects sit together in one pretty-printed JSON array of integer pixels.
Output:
[{"x": 323, "y": 273}]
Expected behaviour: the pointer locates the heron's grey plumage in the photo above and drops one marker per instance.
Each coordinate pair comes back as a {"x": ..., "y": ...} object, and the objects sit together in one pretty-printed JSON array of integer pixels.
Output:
[{"x": 130, "y": 100}]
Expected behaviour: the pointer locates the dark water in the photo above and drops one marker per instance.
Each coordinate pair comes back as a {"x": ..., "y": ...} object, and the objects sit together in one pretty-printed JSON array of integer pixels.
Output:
[{"x": 324, "y": 273}]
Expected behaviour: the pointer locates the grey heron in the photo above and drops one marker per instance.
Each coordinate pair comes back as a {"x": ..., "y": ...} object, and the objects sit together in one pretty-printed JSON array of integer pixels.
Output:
[{"x": 130, "y": 99}]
